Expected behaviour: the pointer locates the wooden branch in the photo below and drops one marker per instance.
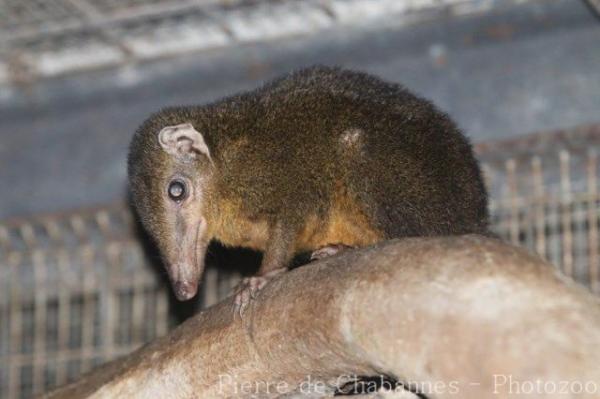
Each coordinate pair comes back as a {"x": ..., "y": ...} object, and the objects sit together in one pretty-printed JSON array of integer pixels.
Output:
[{"x": 461, "y": 317}]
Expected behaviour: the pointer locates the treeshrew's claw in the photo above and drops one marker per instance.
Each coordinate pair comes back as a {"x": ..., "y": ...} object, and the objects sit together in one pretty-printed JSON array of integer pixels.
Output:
[
  {"x": 327, "y": 251},
  {"x": 249, "y": 288}
]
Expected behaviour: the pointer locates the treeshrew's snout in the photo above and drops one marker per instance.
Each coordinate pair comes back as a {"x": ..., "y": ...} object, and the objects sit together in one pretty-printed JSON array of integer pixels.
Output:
[
  {"x": 184, "y": 279},
  {"x": 185, "y": 290},
  {"x": 185, "y": 260}
]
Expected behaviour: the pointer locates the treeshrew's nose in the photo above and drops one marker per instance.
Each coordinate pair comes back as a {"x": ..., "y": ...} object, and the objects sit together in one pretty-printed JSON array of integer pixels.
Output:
[{"x": 184, "y": 290}]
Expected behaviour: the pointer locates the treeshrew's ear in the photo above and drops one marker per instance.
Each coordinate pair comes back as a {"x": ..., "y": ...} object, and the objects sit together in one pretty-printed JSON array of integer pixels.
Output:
[{"x": 183, "y": 141}]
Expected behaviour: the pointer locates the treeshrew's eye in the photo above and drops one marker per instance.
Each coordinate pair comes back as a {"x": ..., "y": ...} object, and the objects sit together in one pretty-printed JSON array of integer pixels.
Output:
[{"x": 177, "y": 190}]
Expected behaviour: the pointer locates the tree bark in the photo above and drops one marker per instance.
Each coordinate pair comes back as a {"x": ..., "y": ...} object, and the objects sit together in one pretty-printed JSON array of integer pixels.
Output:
[{"x": 450, "y": 317}]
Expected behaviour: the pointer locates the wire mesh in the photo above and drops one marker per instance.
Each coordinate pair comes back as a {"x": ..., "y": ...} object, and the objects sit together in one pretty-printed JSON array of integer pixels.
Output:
[
  {"x": 544, "y": 196},
  {"x": 74, "y": 293},
  {"x": 81, "y": 35},
  {"x": 15, "y": 14},
  {"x": 80, "y": 288}
]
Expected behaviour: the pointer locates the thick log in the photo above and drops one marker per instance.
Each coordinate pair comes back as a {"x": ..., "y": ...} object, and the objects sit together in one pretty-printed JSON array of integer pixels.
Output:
[{"x": 454, "y": 317}]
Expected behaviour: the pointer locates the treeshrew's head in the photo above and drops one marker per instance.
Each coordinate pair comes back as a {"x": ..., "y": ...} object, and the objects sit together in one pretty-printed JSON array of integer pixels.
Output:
[{"x": 169, "y": 168}]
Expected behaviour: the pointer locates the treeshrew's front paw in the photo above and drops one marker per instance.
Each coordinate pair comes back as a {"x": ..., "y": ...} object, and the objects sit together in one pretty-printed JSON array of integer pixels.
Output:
[
  {"x": 327, "y": 251},
  {"x": 249, "y": 287}
]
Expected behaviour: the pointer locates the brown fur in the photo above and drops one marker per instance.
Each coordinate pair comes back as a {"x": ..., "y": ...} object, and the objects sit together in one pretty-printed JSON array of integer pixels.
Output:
[{"x": 321, "y": 156}]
